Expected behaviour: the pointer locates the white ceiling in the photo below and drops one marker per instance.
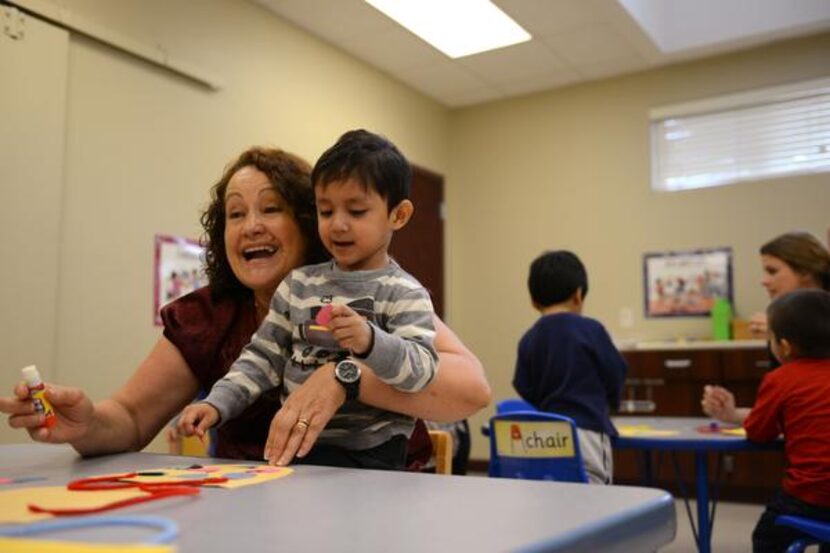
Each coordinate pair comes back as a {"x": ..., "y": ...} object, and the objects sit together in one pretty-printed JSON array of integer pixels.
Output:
[{"x": 573, "y": 40}]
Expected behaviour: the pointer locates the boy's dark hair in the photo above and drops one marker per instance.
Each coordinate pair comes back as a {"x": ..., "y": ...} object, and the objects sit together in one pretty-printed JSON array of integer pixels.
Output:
[
  {"x": 803, "y": 319},
  {"x": 371, "y": 159},
  {"x": 555, "y": 276}
]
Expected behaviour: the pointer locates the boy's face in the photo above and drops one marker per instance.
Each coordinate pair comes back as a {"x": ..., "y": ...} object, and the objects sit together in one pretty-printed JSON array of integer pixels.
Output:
[{"x": 354, "y": 224}]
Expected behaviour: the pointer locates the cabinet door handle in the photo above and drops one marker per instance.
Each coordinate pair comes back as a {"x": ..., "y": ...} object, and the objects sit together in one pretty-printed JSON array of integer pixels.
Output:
[
  {"x": 762, "y": 364},
  {"x": 677, "y": 363}
]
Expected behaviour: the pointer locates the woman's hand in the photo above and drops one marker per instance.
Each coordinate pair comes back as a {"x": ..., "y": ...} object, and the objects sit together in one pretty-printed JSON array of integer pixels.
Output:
[
  {"x": 306, "y": 412},
  {"x": 719, "y": 403},
  {"x": 758, "y": 325},
  {"x": 73, "y": 408}
]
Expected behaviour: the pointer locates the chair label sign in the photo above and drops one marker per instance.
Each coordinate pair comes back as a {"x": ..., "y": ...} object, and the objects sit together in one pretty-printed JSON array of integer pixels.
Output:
[{"x": 534, "y": 439}]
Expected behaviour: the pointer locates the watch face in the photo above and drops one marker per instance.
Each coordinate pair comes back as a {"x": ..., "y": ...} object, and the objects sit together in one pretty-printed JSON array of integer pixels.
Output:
[{"x": 348, "y": 371}]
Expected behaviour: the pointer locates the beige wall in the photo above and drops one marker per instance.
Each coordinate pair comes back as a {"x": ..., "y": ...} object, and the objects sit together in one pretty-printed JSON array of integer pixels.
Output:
[{"x": 570, "y": 169}]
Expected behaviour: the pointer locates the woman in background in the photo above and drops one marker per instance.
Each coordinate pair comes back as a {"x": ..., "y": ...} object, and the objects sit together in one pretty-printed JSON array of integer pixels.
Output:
[{"x": 793, "y": 261}]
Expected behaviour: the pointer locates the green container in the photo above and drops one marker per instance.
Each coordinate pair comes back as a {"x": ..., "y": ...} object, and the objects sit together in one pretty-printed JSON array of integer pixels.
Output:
[{"x": 721, "y": 319}]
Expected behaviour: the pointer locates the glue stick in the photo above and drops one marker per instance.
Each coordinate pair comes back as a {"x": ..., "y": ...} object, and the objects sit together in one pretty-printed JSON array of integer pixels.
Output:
[{"x": 36, "y": 392}]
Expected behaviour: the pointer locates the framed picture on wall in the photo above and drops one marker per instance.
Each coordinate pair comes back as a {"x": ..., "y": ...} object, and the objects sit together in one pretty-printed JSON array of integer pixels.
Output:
[
  {"x": 686, "y": 283},
  {"x": 179, "y": 269}
]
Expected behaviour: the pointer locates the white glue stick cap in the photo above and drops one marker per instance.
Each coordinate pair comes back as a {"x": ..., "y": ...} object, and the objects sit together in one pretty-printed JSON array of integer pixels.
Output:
[{"x": 31, "y": 375}]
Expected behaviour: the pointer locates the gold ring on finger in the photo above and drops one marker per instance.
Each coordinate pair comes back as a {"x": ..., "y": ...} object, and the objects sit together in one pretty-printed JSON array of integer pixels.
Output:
[{"x": 303, "y": 422}]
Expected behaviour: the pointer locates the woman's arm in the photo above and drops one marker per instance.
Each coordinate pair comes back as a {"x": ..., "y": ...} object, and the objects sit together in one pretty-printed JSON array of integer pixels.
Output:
[
  {"x": 458, "y": 390},
  {"x": 158, "y": 389}
]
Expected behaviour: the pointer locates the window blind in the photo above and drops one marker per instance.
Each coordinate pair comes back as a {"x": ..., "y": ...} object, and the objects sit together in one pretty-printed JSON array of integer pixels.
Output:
[{"x": 750, "y": 136}]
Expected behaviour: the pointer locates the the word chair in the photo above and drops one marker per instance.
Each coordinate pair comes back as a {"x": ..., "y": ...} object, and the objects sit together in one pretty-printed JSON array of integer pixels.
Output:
[{"x": 535, "y": 446}]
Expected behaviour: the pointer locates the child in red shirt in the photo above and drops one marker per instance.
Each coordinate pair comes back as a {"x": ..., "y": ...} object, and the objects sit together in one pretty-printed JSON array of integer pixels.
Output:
[{"x": 794, "y": 400}]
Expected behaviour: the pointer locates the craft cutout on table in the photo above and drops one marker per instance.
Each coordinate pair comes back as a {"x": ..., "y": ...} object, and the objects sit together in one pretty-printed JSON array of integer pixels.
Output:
[
  {"x": 717, "y": 428},
  {"x": 643, "y": 430},
  {"x": 235, "y": 475},
  {"x": 14, "y": 503},
  {"x": 115, "y": 491}
]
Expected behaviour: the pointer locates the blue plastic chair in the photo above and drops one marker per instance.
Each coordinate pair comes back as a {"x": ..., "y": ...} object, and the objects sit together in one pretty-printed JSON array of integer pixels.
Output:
[
  {"x": 513, "y": 404},
  {"x": 535, "y": 445},
  {"x": 817, "y": 531}
]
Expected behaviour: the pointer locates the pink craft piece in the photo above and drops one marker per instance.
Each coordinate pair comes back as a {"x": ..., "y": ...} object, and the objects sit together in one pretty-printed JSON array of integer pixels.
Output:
[{"x": 324, "y": 315}]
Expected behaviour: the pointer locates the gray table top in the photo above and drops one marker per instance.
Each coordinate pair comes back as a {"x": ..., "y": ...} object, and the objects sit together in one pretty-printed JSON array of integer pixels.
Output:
[{"x": 332, "y": 509}]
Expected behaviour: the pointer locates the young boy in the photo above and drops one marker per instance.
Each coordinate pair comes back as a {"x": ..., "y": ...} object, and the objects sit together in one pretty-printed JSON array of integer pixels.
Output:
[
  {"x": 567, "y": 363},
  {"x": 361, "y": 305},
  {"x": 794, "y": 400}
]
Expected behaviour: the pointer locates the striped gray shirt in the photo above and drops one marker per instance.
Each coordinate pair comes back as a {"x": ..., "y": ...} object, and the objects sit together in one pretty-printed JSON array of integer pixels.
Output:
[{"x": 289, "y": 345}]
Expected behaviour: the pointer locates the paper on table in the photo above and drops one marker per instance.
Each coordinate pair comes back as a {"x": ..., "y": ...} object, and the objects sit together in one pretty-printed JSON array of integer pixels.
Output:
[{"x": 14, "y": 503}]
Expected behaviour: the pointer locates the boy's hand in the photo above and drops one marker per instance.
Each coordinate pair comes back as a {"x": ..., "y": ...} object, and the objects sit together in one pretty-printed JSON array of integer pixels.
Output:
[
  {"x": 351, "y": 330},
  {"x": 197, "y": 419},
  {"x": 719, "y": 403}
]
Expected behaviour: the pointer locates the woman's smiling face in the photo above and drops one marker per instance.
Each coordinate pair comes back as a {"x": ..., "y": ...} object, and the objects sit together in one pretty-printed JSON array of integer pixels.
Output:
[{"x": 263, "y": 241}]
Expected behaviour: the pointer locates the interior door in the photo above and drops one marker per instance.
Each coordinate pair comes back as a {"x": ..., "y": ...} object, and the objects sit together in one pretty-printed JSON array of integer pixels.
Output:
[{"x": 419, "y": 246}]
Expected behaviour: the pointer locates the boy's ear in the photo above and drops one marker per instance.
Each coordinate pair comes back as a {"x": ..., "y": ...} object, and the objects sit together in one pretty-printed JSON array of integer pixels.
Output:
[
  {"x": 577, "y": 297},
  {"x": 787, "y": 349},
  {"x": 401, "y": 214}
]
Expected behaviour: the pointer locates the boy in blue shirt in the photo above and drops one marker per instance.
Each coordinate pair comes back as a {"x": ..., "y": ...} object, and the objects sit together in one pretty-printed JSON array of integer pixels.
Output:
[{"x": 567, "y": 363}]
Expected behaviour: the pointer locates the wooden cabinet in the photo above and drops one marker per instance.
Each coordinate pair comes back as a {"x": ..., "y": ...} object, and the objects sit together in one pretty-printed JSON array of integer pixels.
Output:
[{"x": 669, "y": 382}]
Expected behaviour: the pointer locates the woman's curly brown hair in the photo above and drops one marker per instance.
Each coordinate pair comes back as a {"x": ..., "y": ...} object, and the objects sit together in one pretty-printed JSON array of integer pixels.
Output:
[{"x": 290, "y": 177}]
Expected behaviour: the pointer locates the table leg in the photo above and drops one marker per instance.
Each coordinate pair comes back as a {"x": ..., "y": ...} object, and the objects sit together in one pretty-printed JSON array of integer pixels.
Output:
[{"x": 704, "y": 528}]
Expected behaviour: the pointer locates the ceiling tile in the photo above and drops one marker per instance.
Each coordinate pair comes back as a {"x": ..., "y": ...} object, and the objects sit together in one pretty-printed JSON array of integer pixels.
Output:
[
  {"x": 521, "y": 61},
  {"x": 392, "y": 49},
  {"x": 592, "y": 44},
  {"x": 539, "y": 84},
  {"x": 547, "y": 17},
  {"x": 610, "y": 68},
  {"x": 443, "y": 78},
  {"x": 332, "y": 21}
]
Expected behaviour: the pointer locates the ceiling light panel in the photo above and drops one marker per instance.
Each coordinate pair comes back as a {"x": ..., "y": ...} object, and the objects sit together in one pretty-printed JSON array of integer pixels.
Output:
[{"x": 457, "y": 28}]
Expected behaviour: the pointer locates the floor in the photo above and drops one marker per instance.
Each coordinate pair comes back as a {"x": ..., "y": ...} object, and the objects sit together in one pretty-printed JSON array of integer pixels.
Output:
[{"x": 732, "y": 530}]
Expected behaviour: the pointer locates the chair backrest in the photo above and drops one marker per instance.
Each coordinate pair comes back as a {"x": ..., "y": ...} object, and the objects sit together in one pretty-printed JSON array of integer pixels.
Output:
[
  {"x": 441, "y": 450},
  {"x": 513, "y": 404},
  {"x": 535, "y": 446},
  {"x": 815, "y": 531}
]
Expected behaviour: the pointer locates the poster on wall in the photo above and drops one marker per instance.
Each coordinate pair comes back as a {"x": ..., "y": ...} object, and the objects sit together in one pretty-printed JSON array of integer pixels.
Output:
[
  {"x": 179, "y": 269},
  {"x": 686, "y": 283}
]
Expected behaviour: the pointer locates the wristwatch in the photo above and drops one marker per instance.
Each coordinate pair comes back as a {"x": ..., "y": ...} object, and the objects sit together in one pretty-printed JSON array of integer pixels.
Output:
[{"x": 347, "y": 373}]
